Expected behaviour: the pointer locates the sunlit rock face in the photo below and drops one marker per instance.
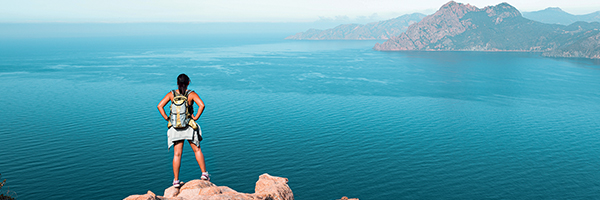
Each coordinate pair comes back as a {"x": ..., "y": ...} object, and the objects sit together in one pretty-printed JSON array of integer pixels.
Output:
[{"x": 267, "y": 187}]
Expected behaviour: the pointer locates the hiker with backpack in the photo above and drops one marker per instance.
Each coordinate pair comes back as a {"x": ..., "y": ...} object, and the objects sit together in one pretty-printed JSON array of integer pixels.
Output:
[{"x": 182, "y": 125}]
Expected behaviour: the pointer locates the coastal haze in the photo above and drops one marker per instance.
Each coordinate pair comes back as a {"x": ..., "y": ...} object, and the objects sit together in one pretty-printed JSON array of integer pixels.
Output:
[
  {"x": 422, "y": 100},
  {"x": 371, "y": 31},
  {"x": 116, "y": 11}
]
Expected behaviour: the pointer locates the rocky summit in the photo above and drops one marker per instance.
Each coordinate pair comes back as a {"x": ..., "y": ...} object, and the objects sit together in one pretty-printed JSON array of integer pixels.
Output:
[
  {"x": 267, "y": 187},
  {"x": 463, "y": 27}
]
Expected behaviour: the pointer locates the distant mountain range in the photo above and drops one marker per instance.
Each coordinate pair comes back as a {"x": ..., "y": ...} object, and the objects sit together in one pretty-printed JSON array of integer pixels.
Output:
[
  {"x": 371, "y": 31},
  {"x": 393, "y": 27},
  {"x": 554, "y": 15},
  {"x": 460, "y": 27}
]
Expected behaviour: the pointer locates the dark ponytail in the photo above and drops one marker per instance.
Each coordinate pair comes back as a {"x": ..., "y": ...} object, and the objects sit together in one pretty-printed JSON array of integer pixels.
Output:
[{"x": 182, "y": 82}]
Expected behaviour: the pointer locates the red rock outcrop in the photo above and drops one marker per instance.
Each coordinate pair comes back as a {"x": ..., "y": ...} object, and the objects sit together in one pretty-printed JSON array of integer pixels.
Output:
[
  {"x": 435, "y": 31},
  {"x": 445, "y": 22},
  {"x": 267, "y": 187}
]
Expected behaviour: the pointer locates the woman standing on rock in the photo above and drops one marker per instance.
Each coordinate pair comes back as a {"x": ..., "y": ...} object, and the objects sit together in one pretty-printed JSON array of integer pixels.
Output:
[{"x": 182, "y": 125}]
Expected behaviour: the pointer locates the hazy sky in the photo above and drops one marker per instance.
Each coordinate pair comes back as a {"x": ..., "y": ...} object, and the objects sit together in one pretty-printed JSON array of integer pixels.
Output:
[{"x": 245, "y": 10}]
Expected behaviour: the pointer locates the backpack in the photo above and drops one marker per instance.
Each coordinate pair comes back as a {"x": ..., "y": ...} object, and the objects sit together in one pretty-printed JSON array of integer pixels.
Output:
[{"x": 180, "y": 110}]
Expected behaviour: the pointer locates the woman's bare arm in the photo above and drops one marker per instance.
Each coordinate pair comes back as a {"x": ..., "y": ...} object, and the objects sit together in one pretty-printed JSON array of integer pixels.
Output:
[
  {"x": 196, "y": 99},
  {"x": 162, "y": 103}
]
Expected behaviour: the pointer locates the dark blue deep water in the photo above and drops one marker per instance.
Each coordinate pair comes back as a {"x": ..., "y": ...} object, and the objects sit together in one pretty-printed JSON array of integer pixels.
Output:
[{"x": 79, "y": 119}]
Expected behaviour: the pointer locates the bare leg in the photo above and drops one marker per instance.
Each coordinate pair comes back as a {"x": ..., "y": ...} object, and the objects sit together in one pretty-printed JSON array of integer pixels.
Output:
[
  {"x": 177, "y": 149},
  {"x": 199, "y": 156}
]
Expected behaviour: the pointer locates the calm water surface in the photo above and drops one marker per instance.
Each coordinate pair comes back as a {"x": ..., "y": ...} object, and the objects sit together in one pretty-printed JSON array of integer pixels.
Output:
[{"x": 79, "y": 119}]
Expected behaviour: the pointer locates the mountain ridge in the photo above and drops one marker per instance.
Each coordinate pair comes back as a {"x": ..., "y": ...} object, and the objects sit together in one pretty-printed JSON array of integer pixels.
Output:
[
  {"x": 370, "y": 31},
  {"x": 463, "y": 27},
  {"x": 555, "y": 15}
]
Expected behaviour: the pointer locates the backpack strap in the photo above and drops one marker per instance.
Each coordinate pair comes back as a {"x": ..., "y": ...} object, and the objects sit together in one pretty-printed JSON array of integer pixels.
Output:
[
  {"x": 187, "y": 93},
  {"x": 191, "y": 107}
]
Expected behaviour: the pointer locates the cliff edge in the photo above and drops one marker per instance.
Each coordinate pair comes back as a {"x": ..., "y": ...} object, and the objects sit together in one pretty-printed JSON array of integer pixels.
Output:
[{"x": 267, "y": 187}]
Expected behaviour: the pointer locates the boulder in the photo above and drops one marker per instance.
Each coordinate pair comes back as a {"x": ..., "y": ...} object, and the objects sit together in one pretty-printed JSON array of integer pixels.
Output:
[
  {"x": 148, "y": 196},
  {"x": 346, "y": 198},
  {"x": 272, "y": 187}
]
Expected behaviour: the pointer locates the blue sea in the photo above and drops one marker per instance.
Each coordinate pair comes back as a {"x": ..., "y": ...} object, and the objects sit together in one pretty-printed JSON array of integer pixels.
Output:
[{"x": 79, "y": 118}]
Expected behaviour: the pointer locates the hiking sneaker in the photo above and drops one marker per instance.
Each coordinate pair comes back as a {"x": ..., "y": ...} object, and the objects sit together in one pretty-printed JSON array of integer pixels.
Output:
[
  {"x": 205, "y": 176},
  {"x": 177, "y": 183}
]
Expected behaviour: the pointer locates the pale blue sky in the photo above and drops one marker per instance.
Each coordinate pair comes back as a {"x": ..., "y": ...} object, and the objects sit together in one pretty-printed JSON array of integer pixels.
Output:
[{"x": 245, "y": 11}]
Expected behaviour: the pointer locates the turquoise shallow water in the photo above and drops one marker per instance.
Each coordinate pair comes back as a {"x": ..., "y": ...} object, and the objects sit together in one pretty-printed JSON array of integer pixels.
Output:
[{"x": 335, "y": 117}]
